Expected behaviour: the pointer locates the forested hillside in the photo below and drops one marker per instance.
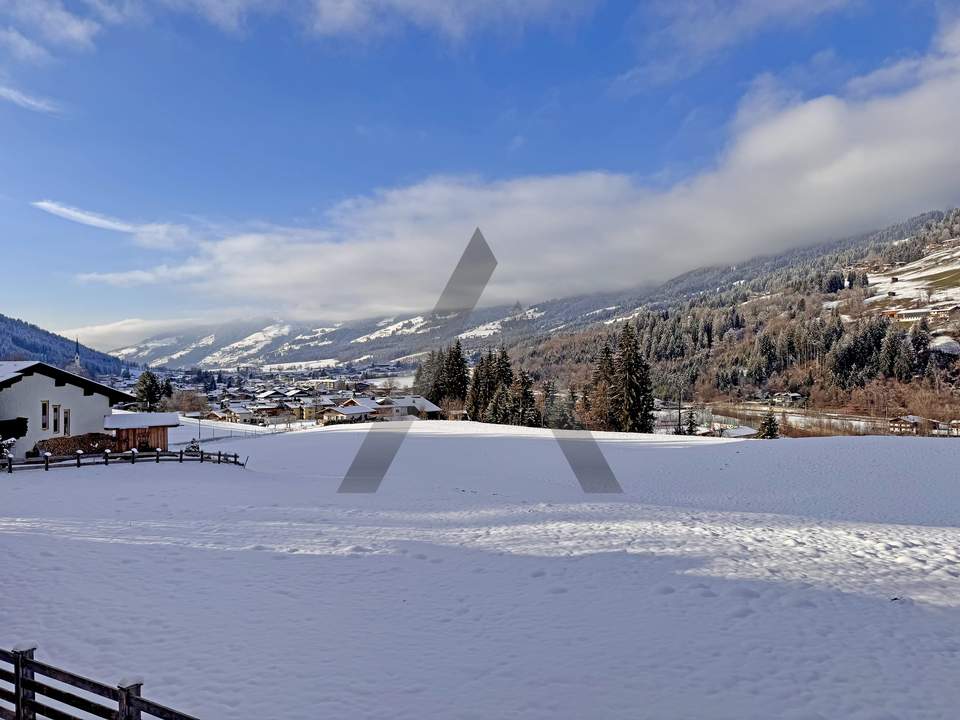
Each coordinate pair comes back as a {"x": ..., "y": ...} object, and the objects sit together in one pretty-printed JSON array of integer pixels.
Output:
[
  {"x": 816, "y": 322},
  {"x": 22, "y": 341}
]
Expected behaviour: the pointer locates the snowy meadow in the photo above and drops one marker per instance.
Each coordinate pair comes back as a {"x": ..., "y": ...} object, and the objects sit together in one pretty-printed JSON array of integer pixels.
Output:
[{"x": 814, "y": 578}]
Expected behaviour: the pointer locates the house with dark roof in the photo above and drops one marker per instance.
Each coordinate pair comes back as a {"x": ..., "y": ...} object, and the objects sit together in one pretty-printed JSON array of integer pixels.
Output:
[{"x": 53, "y": 402}]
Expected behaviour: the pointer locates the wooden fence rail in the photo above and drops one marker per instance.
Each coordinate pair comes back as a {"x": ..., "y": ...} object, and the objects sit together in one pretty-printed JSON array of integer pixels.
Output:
[
  {"x": 132, "y": 457},
  {"x": 20, "y": 689}
]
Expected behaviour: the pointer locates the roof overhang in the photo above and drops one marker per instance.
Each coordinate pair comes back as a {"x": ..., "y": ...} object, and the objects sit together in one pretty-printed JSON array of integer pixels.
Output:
[{"x": 62, "y": 377}]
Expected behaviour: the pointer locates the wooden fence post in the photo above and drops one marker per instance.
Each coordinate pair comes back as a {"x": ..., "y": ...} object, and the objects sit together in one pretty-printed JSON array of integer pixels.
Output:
[
  {"x": 133, "y": 456},
  {"x": 181, "y": 454},
  {"x": 106, "y": 456},
  {"x": 158, "y": 455},
  {"x": 219, "y": 456},
  {"x": 10, "y": 464},
  {"x": 79, "y": 455},
  {"x": 201, "y": 456},
  {"x": 21, "y": 672},
  {"x": 46, "y": 461},
  {"x": 127, "y": 712}
]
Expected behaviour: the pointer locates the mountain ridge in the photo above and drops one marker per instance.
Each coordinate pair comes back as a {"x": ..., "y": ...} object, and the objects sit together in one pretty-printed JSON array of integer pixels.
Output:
[{"x": 278, "y": 342}]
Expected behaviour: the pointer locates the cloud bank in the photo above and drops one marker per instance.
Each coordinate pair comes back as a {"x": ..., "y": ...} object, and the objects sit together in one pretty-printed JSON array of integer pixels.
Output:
[{"x": 794, "y": 172}]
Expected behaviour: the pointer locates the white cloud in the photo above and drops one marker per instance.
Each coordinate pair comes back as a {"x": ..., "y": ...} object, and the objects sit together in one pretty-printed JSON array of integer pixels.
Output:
[
  {"x": 84, "y": 217},
  {"x": 152, "y": 235},
  {"x": 115, "y": 335},
  {"x": 679, "y": 37},
  {"x": 943, "y": 61},
  {"x": 794, "y": 172},
  {"x": 53, "y": 21},
  {"x": 77, "y": 25},
  {"x": 28, "y": 102},
  {"x": 451, "y": 18},
  {"x": 21, "y": 47}
]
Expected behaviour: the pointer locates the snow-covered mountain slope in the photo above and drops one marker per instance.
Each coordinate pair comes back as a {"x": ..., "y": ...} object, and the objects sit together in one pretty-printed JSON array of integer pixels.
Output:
[
  {"x": 931, "y": 282},
  {"x": 284, "y": 343},
  {"x": 731, "y": 579}
]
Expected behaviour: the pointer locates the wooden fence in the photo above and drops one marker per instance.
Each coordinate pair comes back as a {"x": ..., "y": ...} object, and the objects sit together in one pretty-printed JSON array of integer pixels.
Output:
[
  {"x": 132, "y": 457},
  {"x": 25, "y": 697}
]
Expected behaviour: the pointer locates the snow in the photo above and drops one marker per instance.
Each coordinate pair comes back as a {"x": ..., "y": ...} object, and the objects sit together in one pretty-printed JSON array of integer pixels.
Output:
[
  {"x": 209, "y": 430},
  {"x": 130, "y": 420},
  {"x": 482, "y": 331},
  {"x": 302, "y": 365},
  {"x": 927, "y": 280},
  {"x": 732, "y": 579},
  {"x": 396, "y": 380},
  {"x": 404, "y": 327},
  {"x": 247, "y": 347},
  {"x": 945, "y": 344},
  {"x": 496, "y": 326},
  {"x": 145, "y": 348},
  {"x": 623, "y": 318},
  {"x": 201, "y": 343}
]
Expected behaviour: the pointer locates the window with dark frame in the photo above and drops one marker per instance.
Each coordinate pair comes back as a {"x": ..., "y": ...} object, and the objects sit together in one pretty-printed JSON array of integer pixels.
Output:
[
  {"x": 56, "y": 419},
  {"x": 66, "y": 422},
  {"x": 44, "y": 414}
]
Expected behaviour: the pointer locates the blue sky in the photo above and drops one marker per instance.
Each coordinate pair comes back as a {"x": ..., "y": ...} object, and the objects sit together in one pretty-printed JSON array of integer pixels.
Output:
[{"x": 176, "y": 161}]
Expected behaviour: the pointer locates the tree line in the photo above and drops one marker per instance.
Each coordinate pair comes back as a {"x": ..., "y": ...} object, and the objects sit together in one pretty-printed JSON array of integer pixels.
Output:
[{"x": 619, "y": 396}]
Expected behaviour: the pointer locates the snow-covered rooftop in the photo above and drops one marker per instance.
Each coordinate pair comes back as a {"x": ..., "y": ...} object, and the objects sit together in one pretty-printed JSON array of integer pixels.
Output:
[{"x": 131, "y": 421}]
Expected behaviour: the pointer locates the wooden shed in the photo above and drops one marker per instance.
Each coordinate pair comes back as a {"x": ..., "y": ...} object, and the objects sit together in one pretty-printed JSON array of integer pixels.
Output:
[{"x": 143, "y": 431}]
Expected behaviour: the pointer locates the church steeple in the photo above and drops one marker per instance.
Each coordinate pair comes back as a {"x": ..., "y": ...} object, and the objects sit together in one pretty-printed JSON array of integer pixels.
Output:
[{"x": 76, "y": 367}]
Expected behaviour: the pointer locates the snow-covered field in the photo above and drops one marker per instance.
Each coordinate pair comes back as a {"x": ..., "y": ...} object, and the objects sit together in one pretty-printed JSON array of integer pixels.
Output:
[{"x": 813, "y": 578}]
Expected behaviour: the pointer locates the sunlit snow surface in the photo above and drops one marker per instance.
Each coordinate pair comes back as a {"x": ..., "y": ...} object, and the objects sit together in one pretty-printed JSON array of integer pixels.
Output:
[{"x": 815, "y": 578}]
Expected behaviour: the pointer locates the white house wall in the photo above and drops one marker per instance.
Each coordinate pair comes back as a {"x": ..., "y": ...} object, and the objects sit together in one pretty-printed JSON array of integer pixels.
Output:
[{"x": 22, "y": 399}]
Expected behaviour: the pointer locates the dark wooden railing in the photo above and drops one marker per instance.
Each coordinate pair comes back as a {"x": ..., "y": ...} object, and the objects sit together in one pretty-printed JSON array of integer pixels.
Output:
[
  {"x": 25, "y": 697},
  {"x": 132, "y": 457}
]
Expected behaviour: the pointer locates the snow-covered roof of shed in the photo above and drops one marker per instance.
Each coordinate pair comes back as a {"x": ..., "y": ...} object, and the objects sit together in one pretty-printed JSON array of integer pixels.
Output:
[
  {"x": 351, "y": 410},
  {"x": 417, "y": 401},
  {"x": 134, "y": 421}
]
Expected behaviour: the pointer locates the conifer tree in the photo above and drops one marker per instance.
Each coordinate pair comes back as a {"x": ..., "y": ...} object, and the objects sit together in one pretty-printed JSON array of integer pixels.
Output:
[
  {"x": 504, "y": 369},
  {"x": 455, "y": 374},
  {"x": 600, "y": 413},
  {"x": 148, "y": 391},
  {"x": 570, "y": 421},
  {"x": 920, "y": 341},
  {"x": 476, "y": 395},
  {"x": 691, "y": 422},
  {"x": 769, "y": 427},
  {"x": 438, "y": 381},
  {"x": 498, "y": 411},
  {"x": 890, "y": 351},
  {"x": 417, "y": 385},
  {"x": 523, "y": 410},
  {"x": 633, "y": 394},
  {"x": 426, "y": 375},
  {"x": 550, "y": 412}
]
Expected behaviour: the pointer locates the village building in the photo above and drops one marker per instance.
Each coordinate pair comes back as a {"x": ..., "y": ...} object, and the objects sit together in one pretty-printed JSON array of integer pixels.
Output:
[
  {"x": 55, "y": 403},
  {"x": 141, "y": 431},
  {"x": 905, "y": 425},
  {"x": 347, "y": 413}
]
